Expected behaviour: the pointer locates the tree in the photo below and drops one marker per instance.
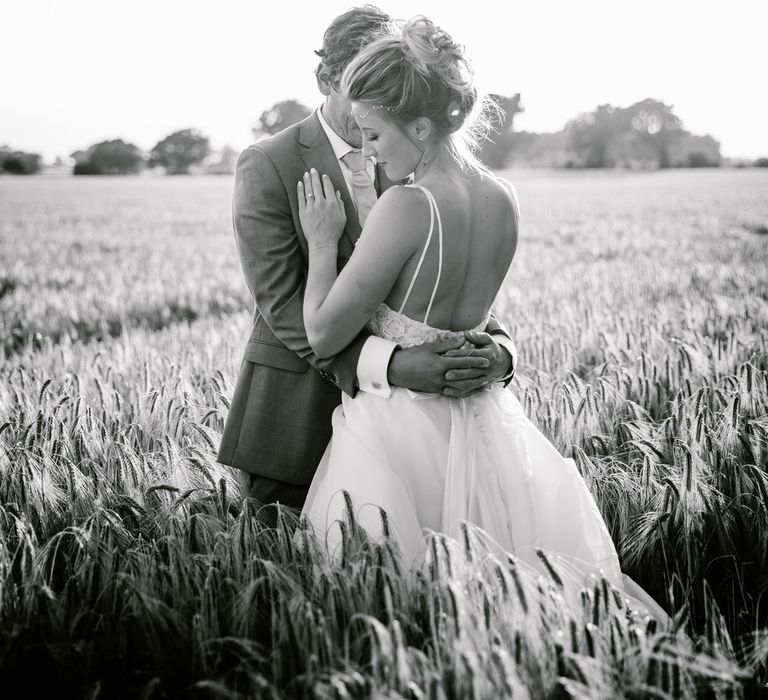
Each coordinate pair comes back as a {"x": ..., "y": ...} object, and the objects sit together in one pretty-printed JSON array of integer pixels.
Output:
[
  {"x": 647, "y": 132},
  {"x": 590, "y": 135},
  {"x": 280, "y": 116},
  {"x": 115, "y": 157},
  {"x": 225, "y": 165},
  {"x": 657, "y": 126},
  {"x": 18, "y": 162},
  {"x": 691, "y": 151},
  {"x": 496, "y": 148},
  {"x": 180, "y": 150}
]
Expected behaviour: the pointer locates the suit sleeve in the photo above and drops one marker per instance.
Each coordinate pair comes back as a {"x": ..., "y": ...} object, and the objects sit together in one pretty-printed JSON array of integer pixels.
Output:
[{"x": 274, "y": 267}]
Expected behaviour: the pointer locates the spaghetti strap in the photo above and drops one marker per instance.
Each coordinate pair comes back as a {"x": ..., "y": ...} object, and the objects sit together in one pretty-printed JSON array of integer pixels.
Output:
[
  {"x": 434, "y": 213},
  {"x": 433, "y": 204},
  {"x": 423, "y": 252}
]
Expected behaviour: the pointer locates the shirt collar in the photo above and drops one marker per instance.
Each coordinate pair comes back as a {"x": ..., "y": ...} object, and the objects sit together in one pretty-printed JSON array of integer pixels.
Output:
[{"x": 339, "y": 145}]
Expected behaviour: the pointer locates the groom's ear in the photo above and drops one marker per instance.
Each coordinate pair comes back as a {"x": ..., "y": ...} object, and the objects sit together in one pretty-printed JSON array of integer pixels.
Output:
[{"x": 323, "y": 83}]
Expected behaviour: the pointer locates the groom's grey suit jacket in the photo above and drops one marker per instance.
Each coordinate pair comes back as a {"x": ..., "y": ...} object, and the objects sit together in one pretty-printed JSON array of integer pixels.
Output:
[{"x": 279, "y": 422}]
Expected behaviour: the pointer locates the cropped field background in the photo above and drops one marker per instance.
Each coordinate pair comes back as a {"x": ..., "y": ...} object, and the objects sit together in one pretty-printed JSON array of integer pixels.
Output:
[{"x": 129, "y": 566}]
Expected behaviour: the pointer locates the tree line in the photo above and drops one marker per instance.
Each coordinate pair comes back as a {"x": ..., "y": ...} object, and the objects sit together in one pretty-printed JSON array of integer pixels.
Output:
[
  {"x": 177, "y": 153},
  {"x": 647, "y": 134}
]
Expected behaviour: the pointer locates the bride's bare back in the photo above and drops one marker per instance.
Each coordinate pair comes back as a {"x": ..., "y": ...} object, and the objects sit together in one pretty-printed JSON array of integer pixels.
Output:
[{"x": 479, "y": 217}]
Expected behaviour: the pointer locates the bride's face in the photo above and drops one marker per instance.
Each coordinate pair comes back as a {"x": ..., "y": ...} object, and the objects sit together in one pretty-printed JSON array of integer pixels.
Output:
[{"x": 387, "y": 142}]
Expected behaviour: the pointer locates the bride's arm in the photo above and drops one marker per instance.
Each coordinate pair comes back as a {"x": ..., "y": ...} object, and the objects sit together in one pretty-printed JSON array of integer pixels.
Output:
[{"x": 336, "y": 307}]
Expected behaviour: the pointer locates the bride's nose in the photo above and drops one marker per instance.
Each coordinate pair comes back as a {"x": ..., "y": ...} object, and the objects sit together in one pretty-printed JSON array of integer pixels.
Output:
[{"x": 368, "y": 151}]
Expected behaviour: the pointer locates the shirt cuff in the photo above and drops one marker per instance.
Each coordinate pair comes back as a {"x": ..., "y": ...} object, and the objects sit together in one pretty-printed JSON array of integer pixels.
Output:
[
  {"x": 506, "y": 342},
  {"x": 372, "y": 366}
]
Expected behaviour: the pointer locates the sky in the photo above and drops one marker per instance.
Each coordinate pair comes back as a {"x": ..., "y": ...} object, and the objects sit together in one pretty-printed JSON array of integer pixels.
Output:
[{"x": 77, "y": 72}]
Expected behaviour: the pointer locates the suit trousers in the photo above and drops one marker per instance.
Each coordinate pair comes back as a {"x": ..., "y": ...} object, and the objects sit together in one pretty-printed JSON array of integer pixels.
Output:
[{"x": 271, "y": 492}]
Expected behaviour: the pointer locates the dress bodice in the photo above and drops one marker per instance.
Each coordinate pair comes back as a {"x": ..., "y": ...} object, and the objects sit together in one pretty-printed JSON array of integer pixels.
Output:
[{"x": 405, "y": 331}]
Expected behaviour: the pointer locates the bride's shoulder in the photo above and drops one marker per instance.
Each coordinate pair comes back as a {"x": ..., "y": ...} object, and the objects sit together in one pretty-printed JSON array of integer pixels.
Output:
[
  {"x": 401, "y": 205},
  {"x": 409, "y": 196},
  {"x": 506, "y": 193}
]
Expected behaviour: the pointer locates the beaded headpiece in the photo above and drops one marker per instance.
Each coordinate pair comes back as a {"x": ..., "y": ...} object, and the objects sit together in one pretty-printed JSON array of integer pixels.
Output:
[
  {"x": 363, "y": 115},
  {"x": 453, "y": 111}
]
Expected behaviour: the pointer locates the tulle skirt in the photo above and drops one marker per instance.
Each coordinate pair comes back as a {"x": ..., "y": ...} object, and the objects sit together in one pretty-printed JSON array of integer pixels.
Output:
[{"x": 416, "y": 463}]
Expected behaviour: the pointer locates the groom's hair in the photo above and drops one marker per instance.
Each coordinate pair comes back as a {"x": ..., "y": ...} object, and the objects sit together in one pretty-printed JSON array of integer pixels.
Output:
[{"x": 345, "y": 36}]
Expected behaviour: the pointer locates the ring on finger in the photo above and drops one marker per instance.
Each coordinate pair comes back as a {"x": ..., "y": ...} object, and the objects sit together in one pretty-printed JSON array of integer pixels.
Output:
[{"x": 310, "y": 195}]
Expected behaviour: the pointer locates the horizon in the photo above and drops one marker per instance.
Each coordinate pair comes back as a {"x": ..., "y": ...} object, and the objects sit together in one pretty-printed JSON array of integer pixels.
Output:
[{"x": 102, "y": 72}]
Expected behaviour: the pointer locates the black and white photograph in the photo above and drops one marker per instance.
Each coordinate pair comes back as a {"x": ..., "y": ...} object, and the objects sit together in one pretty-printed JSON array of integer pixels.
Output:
[{"x": 410, "y": 350}]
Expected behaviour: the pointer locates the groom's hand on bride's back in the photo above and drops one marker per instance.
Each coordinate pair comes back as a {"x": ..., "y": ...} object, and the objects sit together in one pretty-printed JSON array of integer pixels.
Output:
[{"x": 424, "y": 367}]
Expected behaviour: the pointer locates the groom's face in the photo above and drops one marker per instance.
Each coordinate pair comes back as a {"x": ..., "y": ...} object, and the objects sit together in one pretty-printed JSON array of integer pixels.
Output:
[{"x": 337, "y": 111}]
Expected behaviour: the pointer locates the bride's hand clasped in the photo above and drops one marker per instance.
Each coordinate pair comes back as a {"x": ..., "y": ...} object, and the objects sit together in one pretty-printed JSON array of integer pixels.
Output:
[{"x": 321, "y": 211}]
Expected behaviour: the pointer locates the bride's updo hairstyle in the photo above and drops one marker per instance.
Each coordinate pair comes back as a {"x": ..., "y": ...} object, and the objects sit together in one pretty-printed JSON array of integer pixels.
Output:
[{"x": 419, "y": 71}]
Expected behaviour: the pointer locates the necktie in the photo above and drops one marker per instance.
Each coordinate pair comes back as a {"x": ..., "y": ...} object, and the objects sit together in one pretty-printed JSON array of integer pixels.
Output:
[{"x": 363, "y": 191}]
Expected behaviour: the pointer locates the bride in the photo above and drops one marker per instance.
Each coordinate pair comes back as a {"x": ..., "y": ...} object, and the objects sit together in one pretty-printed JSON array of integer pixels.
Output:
[{"x": 428, "y": 265}]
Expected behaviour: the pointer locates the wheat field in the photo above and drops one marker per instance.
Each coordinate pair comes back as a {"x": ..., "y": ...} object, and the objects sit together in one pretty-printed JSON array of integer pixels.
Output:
[{"x": 130, "y": 566}]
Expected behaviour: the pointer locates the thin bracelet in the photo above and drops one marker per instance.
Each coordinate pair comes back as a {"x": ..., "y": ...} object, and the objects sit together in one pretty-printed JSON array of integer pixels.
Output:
[{"x": 325, "y": 245}]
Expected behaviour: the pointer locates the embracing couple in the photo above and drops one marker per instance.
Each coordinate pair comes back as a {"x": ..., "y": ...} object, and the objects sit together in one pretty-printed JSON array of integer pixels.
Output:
[{"x": 374, "y": 244}]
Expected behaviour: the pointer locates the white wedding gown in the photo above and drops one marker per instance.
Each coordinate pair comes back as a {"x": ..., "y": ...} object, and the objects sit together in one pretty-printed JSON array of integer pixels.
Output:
[{"x": 430, "y": 462}]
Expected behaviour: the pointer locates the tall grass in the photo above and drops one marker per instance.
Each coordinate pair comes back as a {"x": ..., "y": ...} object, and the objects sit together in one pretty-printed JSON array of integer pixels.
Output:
[{"x": 130, "y": 566}]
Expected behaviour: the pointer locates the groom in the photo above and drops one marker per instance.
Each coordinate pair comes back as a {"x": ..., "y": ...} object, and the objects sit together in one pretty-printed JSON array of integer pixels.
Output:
[{"x": 279, "y": 422}]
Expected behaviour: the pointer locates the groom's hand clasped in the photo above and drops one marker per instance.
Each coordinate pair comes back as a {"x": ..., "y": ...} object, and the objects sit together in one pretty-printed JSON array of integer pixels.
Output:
[
  {"x": 453, "y": 368},
  {"x": 465, "y": 380}
]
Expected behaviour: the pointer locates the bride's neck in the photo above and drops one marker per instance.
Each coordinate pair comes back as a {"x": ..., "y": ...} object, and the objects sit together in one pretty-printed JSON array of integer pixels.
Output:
[{"x": 436, "y": 162}]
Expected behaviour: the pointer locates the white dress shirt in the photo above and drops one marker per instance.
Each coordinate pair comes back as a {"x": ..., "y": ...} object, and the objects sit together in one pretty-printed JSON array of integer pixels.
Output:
[{"x": 374, "y": 358}]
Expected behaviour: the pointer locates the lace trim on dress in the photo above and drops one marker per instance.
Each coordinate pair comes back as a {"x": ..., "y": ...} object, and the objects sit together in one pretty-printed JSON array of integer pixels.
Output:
[{"x": 405, "y": 331}]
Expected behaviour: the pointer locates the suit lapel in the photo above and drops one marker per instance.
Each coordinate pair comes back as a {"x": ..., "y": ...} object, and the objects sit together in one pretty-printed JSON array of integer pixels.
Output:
[{"x": 317, "y": 153}]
